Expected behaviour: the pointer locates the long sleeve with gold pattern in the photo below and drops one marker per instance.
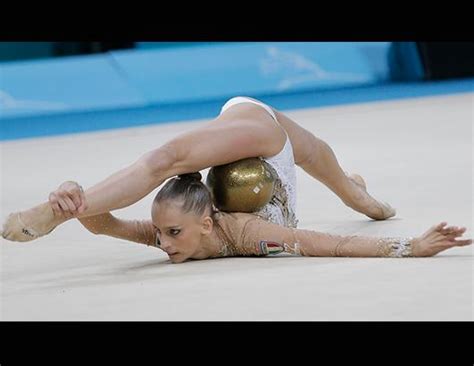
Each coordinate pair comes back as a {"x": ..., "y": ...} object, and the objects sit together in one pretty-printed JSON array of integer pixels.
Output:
[
  {"x": 250, "y": 235},
  {"x": 139, "y": 231}
]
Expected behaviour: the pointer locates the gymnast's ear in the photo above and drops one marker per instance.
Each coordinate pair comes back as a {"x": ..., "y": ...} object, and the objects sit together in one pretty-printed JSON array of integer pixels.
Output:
[{"x": 207, "y": 225}]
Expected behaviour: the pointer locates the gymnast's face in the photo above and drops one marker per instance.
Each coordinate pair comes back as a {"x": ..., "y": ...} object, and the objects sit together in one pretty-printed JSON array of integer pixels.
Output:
[{"x": 180, "y": 233}]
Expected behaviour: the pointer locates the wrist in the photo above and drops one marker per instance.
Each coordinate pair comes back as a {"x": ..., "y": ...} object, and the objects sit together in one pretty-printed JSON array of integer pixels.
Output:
[
  {"x": 405, "y": 247},
  {"x": 414, "y": 247},
  {"x": 395, "y": 247}
]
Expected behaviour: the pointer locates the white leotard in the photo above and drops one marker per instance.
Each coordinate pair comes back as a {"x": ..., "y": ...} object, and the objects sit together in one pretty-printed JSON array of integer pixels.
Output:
[{"x": 282, "y": 207}]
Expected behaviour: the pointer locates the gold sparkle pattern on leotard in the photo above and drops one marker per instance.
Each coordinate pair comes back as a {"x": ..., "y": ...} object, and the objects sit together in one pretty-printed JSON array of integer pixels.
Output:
[
  {"x": 279, "y": 203},
  {"x": 229, "y": 248}
]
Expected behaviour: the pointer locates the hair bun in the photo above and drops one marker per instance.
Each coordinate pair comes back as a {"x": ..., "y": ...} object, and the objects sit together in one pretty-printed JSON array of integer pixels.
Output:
[{"x": 196, "y": 176}]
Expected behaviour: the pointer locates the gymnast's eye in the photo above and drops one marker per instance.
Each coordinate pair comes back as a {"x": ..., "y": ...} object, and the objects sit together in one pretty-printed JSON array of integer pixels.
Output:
[{"x": 174, "y": 232}]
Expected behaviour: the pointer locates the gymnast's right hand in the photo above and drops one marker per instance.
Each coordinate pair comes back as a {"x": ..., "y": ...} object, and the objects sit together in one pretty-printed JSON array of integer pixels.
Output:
[{"x": 68, "y": 200}]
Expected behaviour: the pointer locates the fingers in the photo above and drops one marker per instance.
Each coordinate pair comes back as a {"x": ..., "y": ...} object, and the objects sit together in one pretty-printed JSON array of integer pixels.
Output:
[
  {"x": 441, "y": 228},
  {"x": 67, "y": 206},
  {"x": 70, "y": 204},
  {"x": 53, "y": 200},
  {"x": 62, "y": 204},
  {"x": 451, "y": 229},
  {"x": 445, "y": 235},
  {"x": 75, "y": 196},
  {"x": 453, "y": 232},
  {"x": 455, "y": 243},
  {"x": 68, "y": 200},
  {"x": 461, "y": 243},
  {"x": 436, "y": 228},
  {"x": 79, "y": 199},
  {"x": 83, "y": 206}
]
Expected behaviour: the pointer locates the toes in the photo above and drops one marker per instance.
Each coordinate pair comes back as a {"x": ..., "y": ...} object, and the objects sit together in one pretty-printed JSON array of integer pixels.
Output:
[
  {"x": 15, "y": 230},
  {"x": 389, "y": 211}
]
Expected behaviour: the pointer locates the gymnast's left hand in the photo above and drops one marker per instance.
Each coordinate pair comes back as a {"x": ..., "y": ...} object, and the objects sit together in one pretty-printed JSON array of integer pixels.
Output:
[
  {"x": 438, "y": 238},
  {"x": 68, "y": 200}
]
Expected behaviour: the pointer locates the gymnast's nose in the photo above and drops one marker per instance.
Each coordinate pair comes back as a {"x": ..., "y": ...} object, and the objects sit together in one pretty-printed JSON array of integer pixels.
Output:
[{"x": 166, "y": 246}]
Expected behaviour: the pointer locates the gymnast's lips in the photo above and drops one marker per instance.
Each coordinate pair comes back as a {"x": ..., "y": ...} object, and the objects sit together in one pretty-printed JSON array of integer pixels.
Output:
[{"x": 169, "y": 252}]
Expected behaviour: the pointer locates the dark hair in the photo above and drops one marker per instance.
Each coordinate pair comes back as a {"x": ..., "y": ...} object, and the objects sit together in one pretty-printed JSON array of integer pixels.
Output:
[{"x": 191, "y": 190}]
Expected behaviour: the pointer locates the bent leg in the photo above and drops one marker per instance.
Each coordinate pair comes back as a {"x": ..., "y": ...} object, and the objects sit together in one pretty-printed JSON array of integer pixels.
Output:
[
  {"x": 317, "y": 158},
  {"x": 213, "y": 144},
  {"x": 323, "y": 166}
]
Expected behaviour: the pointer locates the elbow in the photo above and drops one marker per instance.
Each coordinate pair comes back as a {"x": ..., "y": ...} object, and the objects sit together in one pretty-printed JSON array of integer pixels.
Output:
[
  {"x": 92, "y": 227},
  {"x": 95, "y": 231}
]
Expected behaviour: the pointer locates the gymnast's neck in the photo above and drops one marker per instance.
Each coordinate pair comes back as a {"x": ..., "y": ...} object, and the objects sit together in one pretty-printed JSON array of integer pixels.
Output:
[{"x": 224, "y": 234}]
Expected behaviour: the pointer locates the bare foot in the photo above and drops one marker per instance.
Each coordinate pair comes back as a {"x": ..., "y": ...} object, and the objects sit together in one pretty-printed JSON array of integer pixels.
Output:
[
  {"x": 438, "y": 238},
  {"x": 368, "y": 205},
  {"x": 30, "y": 224}
]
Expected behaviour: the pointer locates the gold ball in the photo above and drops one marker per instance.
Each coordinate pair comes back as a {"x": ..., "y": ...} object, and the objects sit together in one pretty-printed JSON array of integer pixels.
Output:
[{"x": 242, "y": 186}]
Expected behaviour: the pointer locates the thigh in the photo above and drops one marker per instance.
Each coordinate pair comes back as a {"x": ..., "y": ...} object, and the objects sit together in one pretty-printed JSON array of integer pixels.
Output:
[
  {"x": 305, "y": 144},
  {"x": 226, "y": 139}
]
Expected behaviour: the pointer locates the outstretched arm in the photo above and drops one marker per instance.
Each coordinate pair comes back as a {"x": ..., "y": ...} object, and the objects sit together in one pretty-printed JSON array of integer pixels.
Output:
[
  {"x": 70, "y": 193},
  {"x": 270, "y": 238},
  {"x": 139, "y": 231}
]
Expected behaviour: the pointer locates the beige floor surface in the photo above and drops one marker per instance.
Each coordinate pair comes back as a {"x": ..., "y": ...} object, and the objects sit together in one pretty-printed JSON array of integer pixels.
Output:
[{"x": 416, "y": 154}]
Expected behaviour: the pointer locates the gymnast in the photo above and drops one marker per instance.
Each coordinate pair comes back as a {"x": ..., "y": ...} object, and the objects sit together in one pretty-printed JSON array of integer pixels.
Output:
[{"x": 193, "y": 221}]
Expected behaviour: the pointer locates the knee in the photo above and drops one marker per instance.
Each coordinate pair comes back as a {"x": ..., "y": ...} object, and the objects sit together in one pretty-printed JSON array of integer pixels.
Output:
[
  {"x": 160, "y": 162},
  {"x": 310, "y": 153}
]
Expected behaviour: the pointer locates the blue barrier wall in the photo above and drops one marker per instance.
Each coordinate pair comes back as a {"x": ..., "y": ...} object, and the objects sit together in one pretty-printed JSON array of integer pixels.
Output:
[
  {"x": 151, "y": 85},
  {"x": 63, "y": 85},
  {"x": 177, "y": 75},
  {"x": 148, "y": 45}
]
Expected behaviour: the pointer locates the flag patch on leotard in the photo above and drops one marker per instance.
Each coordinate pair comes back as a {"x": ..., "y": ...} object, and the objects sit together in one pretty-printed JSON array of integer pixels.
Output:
[{"x": 270, "y": 247}]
